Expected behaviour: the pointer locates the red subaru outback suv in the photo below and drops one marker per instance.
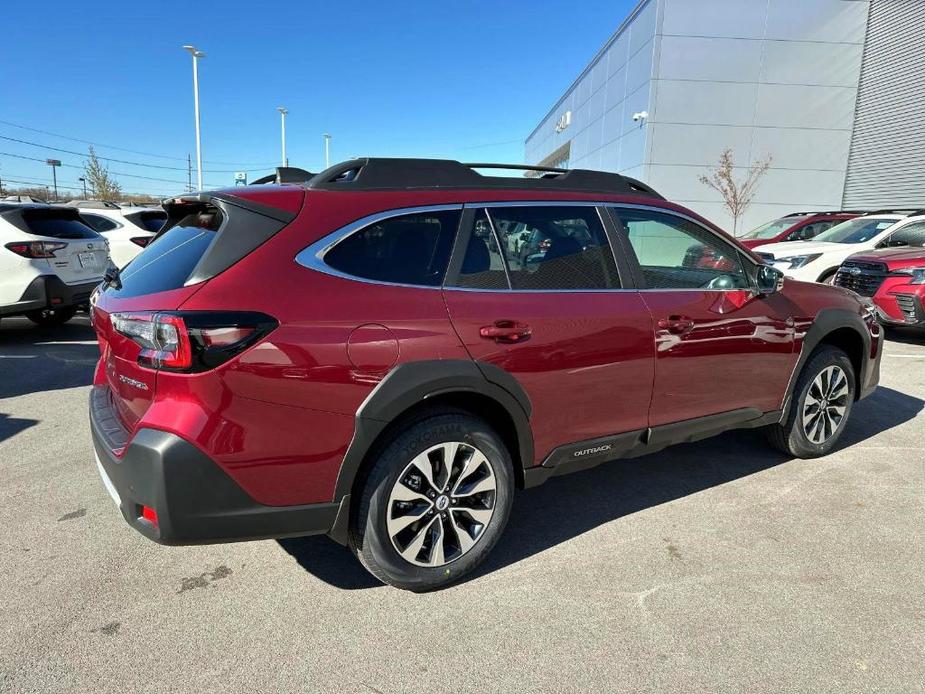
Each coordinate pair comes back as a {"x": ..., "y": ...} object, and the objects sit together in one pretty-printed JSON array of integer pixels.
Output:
[
  {"x": 894, "y": 277},
  {"x": 797, "y": 226},
  {"x": 367, "y": 355}
]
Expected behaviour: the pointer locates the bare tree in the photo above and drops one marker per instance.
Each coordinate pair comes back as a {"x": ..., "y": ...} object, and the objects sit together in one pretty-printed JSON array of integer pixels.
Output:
[
  {"x": 737, "y": 194},
  {"x": 102, "y": 185}
]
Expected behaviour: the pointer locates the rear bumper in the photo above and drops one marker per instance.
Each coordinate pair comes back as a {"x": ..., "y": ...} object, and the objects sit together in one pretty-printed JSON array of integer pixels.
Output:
[
  {"x": 49, "y": 291},
  {"x": 196, "y": 502}
]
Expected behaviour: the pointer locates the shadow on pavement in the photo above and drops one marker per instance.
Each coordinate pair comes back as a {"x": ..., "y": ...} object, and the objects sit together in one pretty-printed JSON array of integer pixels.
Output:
[
  {"x": 10, "y": 426},
  {"x": 35, "y": 359},
  {"x": 569, "y": 506}
]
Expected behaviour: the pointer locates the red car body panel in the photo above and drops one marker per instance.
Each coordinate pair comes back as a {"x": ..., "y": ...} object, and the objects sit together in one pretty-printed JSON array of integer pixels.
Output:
[{"x": 896, "y": 286}]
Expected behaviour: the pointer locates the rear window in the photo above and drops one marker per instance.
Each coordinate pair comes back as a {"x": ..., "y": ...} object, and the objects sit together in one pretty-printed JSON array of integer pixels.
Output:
[
  {"x": 149, "y": 221},
  {"x": 56, "y": 225},
  {"x": 169, "y": 260}
]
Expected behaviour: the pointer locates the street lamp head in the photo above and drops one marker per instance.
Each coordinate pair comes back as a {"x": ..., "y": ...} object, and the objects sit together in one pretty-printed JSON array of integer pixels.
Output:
[
  {"x": 195, "y": 52},
  {"x": 282, "y": 110},
  {"x": 326, "y": 136}
]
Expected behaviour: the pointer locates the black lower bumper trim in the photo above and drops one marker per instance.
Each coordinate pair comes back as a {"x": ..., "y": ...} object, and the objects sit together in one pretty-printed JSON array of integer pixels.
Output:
[
  {"x": 49, "y": 291},
  {"x": 196, "y": 501}
]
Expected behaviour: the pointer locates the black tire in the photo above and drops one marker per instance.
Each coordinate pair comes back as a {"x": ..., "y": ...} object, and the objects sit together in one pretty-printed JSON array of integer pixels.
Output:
[
  {"x": 369, "y": 535},
  {"x": 52, "y": 316},
  {"x": 791, "y": 437}
]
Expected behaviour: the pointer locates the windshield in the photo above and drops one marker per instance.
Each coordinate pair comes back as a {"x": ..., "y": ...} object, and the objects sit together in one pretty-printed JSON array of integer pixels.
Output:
[
  {"x": 772, "y": 229},
  {"x": 856, "y": 230}
]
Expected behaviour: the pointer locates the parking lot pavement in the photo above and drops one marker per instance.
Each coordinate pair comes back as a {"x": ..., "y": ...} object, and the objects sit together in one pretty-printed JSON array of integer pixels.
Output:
[{"x": 719, "y": 566}]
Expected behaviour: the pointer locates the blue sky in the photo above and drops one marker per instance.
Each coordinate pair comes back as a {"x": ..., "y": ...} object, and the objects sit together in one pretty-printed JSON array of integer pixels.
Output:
[{"x": 465, "y": 80}]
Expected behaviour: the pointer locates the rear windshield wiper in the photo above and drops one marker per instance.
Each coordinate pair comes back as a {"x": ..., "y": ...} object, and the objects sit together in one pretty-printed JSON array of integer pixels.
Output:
[{"x": 111, "y": 278}]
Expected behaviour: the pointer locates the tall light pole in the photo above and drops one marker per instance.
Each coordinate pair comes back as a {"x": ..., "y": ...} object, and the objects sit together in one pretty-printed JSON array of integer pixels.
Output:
[
  {"x": 84, "y": 181},
  {"x": 327, "y": 150},
  {"x": 197, "y": 54},
  {"x": 282, "y": 115}
]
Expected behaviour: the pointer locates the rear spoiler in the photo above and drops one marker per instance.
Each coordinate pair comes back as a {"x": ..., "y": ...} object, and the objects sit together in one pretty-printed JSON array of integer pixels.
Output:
[{"x": 286, "y": 174}]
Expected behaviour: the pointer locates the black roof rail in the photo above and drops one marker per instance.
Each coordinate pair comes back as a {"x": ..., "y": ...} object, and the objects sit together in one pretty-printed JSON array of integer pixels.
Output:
[
  {"x": 285, "y": 174},
  {"x": 906, "y": 211},
  {"x": 813, "y": 212},
  {"x": 375, "y": 173}
]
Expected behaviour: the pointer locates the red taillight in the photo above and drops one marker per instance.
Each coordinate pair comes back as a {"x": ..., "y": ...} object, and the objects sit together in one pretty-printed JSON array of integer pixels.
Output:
[
  {"x": 163, "y": 338},
  {"x": 141, "y": 240},
  {"x": 35, "y": 249},
  {"x": 193, "y": 341},
  {"x": 149, "y": 514}
]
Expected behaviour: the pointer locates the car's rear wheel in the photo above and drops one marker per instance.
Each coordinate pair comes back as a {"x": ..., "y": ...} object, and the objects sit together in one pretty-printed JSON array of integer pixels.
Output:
[
  {"x": 434, "y": 503},
  {"x": 52, "y": 316},
  {"x": 820, "y": 406}
]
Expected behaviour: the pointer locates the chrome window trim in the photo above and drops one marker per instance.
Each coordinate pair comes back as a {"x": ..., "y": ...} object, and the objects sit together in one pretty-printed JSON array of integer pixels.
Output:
[{"x": 312, "y": 256}]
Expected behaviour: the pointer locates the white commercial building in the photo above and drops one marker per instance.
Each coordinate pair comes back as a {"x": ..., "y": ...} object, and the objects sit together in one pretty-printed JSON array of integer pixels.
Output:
[{"x": 832, "y": 90}]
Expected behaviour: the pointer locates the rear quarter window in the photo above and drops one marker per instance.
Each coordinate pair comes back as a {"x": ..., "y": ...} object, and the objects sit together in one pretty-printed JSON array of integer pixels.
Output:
[{"x": 408, "y": 249}]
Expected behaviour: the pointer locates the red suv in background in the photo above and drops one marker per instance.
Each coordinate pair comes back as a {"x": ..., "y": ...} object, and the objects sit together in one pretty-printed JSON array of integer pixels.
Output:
[
  {"x": 798, "y": 226},
  {"x": 369, "y": 355},
  {"x": 893, "y": 277}
]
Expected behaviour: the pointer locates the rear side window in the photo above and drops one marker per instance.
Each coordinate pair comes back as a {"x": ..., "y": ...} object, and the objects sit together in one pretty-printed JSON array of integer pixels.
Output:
[
  {"x": 54, "y": 224},
  {"x": 149, "y": 221},
  {"x": 169, "y": 260},
  {"x": 409, "y": 249},
  {"x": 539, "y": 248},
  {"x": 98, "y": 222}
]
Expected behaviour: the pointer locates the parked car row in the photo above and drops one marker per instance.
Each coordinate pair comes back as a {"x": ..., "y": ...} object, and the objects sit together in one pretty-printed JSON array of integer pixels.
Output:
[
  {"x": 880, "y": 255},
  {"x": 52, "y": 256}
]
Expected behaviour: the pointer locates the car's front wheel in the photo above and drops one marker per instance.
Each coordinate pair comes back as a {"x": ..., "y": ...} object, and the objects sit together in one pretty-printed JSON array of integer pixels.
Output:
[
  {"x": 821, "y": 404},
  {"x": 434, "y": 503},
  {"x": 52, "y": 316}
]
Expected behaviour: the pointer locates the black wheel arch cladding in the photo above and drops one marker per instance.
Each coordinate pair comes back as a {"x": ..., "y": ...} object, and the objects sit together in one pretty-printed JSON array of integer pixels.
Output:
[{"x": 410, "y": 384}]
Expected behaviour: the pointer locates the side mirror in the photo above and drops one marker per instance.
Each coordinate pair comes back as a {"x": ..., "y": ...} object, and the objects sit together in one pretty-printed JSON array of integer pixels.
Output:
[
  {"x": 898, "y": 243},
  {"x": 770, "y": 280}
]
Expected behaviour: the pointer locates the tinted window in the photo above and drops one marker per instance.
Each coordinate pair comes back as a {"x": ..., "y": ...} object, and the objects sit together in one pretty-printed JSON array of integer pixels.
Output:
[
  {"x": 98, "y": 222},
  {"x": 911, "y": 235},
  {"x": 675, "y": 253},
  {"x": 169, "y": 260},
  {"x": 56, "y": 225},
  {"x": 542, "y": 247},
  {"x": 482, "y": 265},
  {"x": 410, "y": 249},
  {"x": 149, "y": 221}
]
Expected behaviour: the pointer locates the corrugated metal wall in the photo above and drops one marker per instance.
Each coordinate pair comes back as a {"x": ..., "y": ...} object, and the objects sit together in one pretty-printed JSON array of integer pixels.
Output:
[{"x": 886, "y": 164}]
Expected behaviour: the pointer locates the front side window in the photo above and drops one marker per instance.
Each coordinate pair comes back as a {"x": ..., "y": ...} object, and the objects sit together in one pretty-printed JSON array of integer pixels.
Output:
[
  {"x": 910, "y": 235},
  {"x": 539, "y": 248},
  {"x": 408, "y": 249},
  {"x": 675, "y": 253}
]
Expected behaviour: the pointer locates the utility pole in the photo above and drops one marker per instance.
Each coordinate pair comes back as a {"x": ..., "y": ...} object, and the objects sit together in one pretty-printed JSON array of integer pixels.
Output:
[
  {"x": 283, "y": 112},
  {"x": 189, "y": 173},
  {"x": 84, "y": 181},
  {"x": 197, "y": 54},
  {"x": 54, "y": 164},
  {"x": 327, "y": 150}
]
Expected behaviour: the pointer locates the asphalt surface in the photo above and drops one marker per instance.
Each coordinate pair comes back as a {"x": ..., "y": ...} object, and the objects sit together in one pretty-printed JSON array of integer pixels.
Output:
[{"x": 715, "y": 567}]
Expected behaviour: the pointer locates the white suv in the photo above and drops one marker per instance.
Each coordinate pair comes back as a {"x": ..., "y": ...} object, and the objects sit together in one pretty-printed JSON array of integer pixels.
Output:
[
  {"x": 128, "y": 229},
  {"x": 50, "y": 261},
  {"x": 817, "y": 260}
]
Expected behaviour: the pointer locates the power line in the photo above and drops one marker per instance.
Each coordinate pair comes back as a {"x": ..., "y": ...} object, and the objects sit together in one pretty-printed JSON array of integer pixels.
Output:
[
  {"x": 68, "y": 185},
  {"x": 118, "y": 161},
  {"x": 132, "y": 151},
  {"x": 114, "y": 173}
]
